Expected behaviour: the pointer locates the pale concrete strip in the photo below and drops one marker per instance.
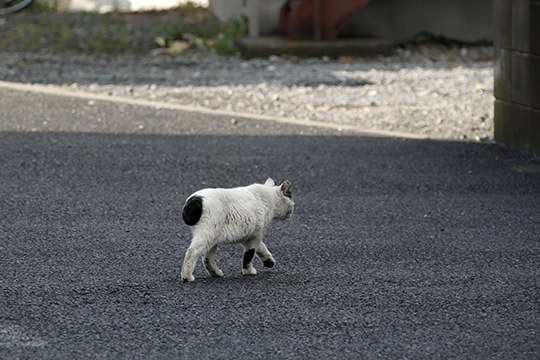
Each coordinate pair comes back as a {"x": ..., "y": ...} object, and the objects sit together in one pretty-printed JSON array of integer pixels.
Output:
[{"x": 59, "y": 91}]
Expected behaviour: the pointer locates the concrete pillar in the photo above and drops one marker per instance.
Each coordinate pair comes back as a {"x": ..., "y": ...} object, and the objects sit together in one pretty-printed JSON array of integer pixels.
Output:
[{"x": 517, "y": 73}]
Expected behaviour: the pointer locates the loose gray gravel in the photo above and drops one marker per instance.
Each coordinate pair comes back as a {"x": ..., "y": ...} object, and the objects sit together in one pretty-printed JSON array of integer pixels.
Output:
[{"x": 433, "y": 91}]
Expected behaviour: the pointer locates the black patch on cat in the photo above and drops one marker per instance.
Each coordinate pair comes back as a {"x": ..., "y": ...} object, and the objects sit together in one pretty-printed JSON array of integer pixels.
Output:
[
  {"x": 192, "y": 210},
  {"x": 248, "y": 256},
  {"x": 269, "y": 263}
]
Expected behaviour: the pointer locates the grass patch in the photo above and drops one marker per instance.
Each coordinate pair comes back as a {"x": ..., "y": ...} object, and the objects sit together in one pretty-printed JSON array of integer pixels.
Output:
[
  {"x": 90, "y": 33},
  {"x": 44, "y": 6},
  {"x": 105, "y": 34}
]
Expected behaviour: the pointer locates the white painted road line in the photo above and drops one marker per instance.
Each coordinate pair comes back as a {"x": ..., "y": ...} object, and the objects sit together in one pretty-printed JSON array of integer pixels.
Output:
[{"x": 59, "y": 91}]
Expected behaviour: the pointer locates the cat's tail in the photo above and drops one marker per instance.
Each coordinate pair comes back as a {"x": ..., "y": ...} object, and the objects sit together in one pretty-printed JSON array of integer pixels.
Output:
[{"x": 192, "y": 210}]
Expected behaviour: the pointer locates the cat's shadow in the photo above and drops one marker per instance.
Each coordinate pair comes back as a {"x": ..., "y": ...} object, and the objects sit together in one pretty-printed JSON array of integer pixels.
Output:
[
  {"x": 238, "y": 278},
  {"x": 233, "y": 280}
]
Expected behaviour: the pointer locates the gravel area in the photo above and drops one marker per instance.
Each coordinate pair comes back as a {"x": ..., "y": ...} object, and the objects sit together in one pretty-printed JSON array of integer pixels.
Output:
[{"x": 429, "y": 90}]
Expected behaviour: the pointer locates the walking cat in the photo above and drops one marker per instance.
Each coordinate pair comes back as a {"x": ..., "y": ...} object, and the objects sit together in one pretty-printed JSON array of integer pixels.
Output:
[{"x": 233, "y": 216}]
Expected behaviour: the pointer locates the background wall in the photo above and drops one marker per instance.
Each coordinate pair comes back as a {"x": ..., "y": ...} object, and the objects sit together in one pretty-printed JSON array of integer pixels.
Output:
[
  {"x": 394, "y": 20},
  {"x": 399, "y": 20}
]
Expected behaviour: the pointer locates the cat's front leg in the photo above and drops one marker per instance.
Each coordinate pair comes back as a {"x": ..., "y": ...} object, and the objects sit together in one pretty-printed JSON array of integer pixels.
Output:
[
  {"x": 247, "y": 265},
  {"x": 250, "y": 247},
  {"x": 265, "y": 255}
]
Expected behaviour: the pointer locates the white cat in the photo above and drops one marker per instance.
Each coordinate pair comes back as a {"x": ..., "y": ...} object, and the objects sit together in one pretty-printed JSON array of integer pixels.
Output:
[{"x": 233, "y": 216}]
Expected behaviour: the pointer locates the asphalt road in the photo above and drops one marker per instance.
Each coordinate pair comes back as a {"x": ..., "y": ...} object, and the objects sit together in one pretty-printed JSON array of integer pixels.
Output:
[{"x": 398, "y": 248}]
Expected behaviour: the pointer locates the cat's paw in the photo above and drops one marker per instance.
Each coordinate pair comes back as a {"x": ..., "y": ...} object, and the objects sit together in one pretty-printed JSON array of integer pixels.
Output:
[
  {"x": 189, "y": 278},
  {"x": 269, "y": 263},
  {"x": 217, "y": 273},
  {"x": 249, "y": 271}
]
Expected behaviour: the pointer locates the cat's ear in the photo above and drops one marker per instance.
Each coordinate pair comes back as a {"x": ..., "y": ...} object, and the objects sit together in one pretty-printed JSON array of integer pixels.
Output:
[
  {"x": 286, "y": 188},
  {"x": 269, "y": 182}
]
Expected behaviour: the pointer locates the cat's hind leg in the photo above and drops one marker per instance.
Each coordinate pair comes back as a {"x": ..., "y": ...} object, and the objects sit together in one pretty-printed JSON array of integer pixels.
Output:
[
  {"x": 265, "y": 255},
  {"x": 197, "y": 248},
  {"x": 210, "y": 263}
]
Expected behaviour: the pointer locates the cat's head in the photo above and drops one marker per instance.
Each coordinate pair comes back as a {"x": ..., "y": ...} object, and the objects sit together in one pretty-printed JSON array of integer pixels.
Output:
[{"x": 284, "y": 205}]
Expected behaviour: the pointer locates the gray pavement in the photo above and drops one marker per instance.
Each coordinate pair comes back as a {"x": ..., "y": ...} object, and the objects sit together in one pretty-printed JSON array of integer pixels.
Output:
[{"x": 398, "y": 248}]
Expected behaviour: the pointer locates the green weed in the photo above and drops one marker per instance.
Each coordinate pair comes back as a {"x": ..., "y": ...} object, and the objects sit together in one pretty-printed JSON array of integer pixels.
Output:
[
  {"x": 484, "y": 117},
  {"x": 224, "y": 44}
]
